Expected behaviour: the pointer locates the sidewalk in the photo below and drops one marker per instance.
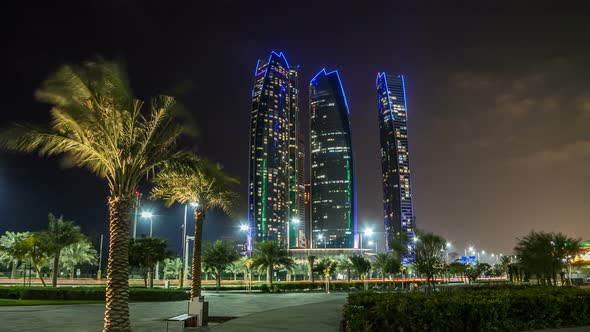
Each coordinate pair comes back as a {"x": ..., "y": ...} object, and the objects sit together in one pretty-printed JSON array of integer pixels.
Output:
[{"x": 317, "y": 317}]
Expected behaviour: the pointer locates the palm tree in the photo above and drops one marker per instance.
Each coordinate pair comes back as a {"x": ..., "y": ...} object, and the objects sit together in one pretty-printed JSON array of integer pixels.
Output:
[
  {"x": 310, "y": 263},
  {"x": 236, "y": 267},
  {"x": 380, "y": 264},
  {"x": 217, "y": 256},
  {"x": 34, "y": 249},
  {"x": 429, "y": 257},
  {"x": 97, "y": 124},
  {"x": 172, "y": 268},
  {"x": 58, "y": 235},
  {"x": 8, "y": 243},
  {"x": 269, "y": 256},
  {"x": 344, "y": 266},
  {"x": 81, "y": 252},
  {"x": 203, "y": 185}
]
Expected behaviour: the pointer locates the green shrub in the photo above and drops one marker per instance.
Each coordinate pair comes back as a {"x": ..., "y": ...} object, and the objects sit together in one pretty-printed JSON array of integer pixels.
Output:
[
  {"x": 264, "y": 288},
  {"x": 89, "y": 293},
  {"x": 500, "y": 308}
]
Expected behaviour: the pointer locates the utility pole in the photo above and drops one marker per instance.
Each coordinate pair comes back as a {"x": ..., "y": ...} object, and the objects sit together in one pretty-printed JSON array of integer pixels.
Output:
[
  {"x": 182, "y": 269},
  {"x": 99, "y": 274},
  {"x": 137, "y": 202}
]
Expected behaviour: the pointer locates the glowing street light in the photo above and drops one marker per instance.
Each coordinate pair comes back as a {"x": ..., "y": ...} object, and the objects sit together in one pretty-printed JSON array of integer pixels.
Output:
[
  {"x": 294, "y": 221},
  {"x": 148, "y": 215}
]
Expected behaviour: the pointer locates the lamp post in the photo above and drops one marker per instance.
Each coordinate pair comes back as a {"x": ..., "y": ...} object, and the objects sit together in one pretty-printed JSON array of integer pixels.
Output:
[
  {"x": 375, "y": 243},
  {"x": 246, "y": 228},
  {"x": 368, "y": 232},
  {"x": 294, "y": 221},
  {"x": 137, "y": 203},
  {"x": 150, "y": 216}
]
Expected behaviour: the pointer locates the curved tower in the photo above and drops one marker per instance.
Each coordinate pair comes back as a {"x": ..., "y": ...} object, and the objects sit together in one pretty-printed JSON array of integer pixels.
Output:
[
  {"x": 395, "y": 161},
  {"x": 333, "y": 215},
  {"x": 273, "y": 121}
]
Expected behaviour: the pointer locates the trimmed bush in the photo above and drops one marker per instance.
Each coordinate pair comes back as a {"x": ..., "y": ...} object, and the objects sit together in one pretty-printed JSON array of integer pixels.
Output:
[
  {"x": 502, "y": 308},
  {"x": 89, "y": 293}
]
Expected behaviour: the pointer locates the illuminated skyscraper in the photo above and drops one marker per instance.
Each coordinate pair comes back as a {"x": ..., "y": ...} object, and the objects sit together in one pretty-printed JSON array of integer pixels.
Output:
[
  {"x": 273, "y": 150},
  {"x": 395, "y": 161},
  {"x": 333, "y": 215}
]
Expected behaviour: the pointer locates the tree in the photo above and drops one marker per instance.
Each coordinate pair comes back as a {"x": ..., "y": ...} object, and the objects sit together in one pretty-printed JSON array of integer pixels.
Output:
[
  {"x": 544, "y": 255},
  {"x": 344, "y": 266},
  {"x": 205, "y": 186},
  {"x": 58, "y": 235},
  {"x": 32, "y": 248},
  {"x": 385, "y": 264},
  {"x": 429, "y": 257},
  {"x": 81, "y": 252},
  {"x": 457, "y": 268},
  {"x": 329, "y": 268},
  {"x": 301, "y": 268},
  {"x": 8, "y": 243},
  {"x": 217, "y": 256},
  {"x": 269, "y": 256},
  {"x": 310, "y": 263},
  {"x": 172, "y": 268},
  {"x": 144, "y": 253},
  {"x": 361, "y": 267},
  {"x": 97, "y": 124},
  {"x": 237, "y": 267}
]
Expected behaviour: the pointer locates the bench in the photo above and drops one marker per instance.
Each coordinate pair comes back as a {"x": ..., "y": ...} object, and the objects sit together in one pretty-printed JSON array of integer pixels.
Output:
[{"x": 187, "y": 321}]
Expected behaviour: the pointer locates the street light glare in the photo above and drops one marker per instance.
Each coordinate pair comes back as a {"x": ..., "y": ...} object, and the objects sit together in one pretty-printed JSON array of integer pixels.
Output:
[
  {"x": 146, "y": 214},
  {"x": 243, "y": 227},
  {"x": 448, "y": 244},
  {"x": 295, "y": 220},
  {"x": 470, "y": 248},
  {"x": 369, "y": 231},
  {"x": 194, "y": 204}
]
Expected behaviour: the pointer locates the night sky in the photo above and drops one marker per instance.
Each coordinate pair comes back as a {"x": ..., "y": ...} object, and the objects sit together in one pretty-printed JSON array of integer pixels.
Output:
[{"x": 498, "y": 103}]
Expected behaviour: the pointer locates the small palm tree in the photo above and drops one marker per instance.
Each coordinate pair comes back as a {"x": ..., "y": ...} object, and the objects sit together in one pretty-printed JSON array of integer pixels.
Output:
[
  {"x": 58, "y": 235},
  {"x": 172, "y": 268},
  {"x": 236, "y": 267},
  {"x": 81, "y": 252},
  {"x": 8, "y": 243},
  {"x": 217, "y": 256},
  {"x": 97, "y": 124},
  {"x": 32, "y": 248},
  {"x": 205, "y": 186},
  {"x": 269, "y": 256},
  {"x": 380, "y": 264},
  {"x": 344, "y": 266}
]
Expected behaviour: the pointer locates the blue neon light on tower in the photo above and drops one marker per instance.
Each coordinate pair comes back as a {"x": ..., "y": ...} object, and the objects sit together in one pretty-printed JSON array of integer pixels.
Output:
[
  {"x": 333, "y": 208},
  {"x": 274, "y": 101},
  {"x": 398, "y": 212}
]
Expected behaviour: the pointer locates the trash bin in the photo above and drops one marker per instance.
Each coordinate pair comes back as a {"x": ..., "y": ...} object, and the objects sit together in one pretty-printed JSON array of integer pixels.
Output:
[{"x": 166, "y": 284}]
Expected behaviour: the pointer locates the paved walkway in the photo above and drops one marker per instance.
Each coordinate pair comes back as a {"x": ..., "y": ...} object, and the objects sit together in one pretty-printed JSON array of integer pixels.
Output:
[
  {"x": 149, "y": 316},
  {"x": 316, "y": 317}
]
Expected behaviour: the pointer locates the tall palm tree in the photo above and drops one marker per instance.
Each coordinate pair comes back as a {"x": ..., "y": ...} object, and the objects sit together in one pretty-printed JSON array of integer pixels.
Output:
[
  {"x": 204, "y": 185},
  {"x": 58, "y": 235},
  {"x": 81, "y": 252},
  {"x": 97, "y": 124},
  {"x": 236, "y": 267},
  {"x": 269, "y": 256},
  {"x": 344, "y": 266},
  {"x": 34, "y": 249},
  {"x": 8, "y": 243}
]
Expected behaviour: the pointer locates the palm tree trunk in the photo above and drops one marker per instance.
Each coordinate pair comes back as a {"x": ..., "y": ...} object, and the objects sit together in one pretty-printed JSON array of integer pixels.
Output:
[
  {"x": 218, "y": 280},
  {"x": 39, "y": 274},
  {"x": 13, "y": 273},
  {"x": 196, "y": 268},
  {"x": 116, "y": 315},
  {"x": 269, "y": 275},
  {"x": 55, "y": 269}
]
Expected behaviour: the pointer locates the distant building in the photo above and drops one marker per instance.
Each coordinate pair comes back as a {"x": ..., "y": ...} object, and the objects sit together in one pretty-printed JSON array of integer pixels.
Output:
[
  {"x": 273, "y": 181},
  {"x": 307, "y": 219},
  {"x": 333, "y": 215},
  {"x": 395, "y": 161}
]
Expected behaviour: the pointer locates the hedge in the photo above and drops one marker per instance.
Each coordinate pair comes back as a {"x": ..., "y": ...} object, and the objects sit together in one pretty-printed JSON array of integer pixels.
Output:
[
  {"x": 89, "y": 293},
  {"x": 501, "y": 308}
]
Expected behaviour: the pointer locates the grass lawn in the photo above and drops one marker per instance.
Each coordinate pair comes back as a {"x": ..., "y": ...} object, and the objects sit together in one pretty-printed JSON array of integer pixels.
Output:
[{"x": 12, "y": 302}]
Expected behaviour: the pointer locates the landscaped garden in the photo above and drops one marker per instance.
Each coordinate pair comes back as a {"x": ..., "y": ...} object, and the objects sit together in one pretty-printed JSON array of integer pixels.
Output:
[{"x": 488, "y": 308}]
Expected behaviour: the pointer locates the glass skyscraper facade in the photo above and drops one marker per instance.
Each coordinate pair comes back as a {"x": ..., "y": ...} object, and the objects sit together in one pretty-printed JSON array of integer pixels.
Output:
[
  {"x": 273, "y": 199},
  {"x": 333, "y": 215},
  {"x": 395, "y": 161}
]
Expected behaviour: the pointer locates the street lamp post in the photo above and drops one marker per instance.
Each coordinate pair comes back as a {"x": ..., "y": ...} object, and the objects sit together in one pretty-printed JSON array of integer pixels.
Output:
[
  {"x": 368, "y": 232},
  {"x": 375, "y": 243},
  {"x": 320, "y": 237},
  {"x": 137, "y": 203}
]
